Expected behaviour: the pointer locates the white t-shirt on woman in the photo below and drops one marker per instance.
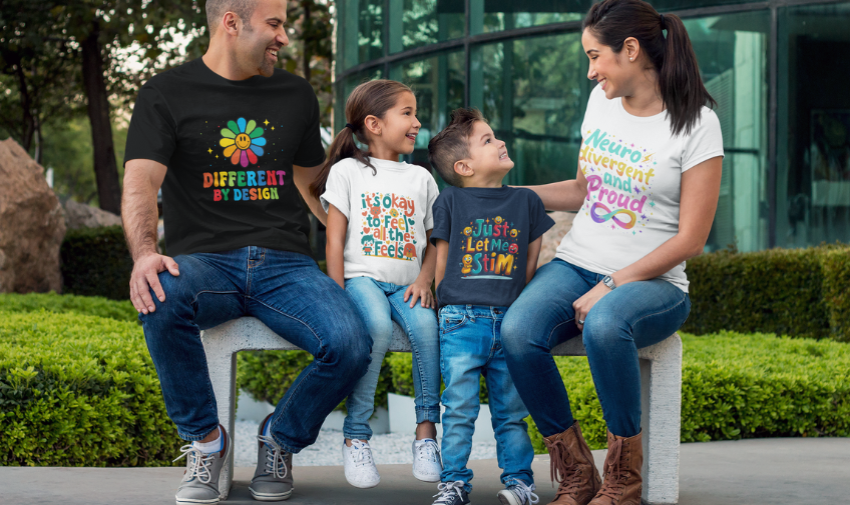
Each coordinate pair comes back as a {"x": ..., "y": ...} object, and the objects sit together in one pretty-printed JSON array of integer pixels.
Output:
[
  {"x": 633, "y": 166},
  {"x": 388, "y": 214}
]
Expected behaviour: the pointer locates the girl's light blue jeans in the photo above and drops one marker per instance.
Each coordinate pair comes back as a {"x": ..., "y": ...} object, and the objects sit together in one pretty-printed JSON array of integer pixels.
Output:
[
  {"x": 632, "y": 316},
  {"x": 379, "y": 304}
]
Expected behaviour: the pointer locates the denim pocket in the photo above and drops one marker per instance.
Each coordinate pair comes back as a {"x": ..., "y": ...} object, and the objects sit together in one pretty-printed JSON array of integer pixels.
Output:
[{"x": 451, "y": 322}]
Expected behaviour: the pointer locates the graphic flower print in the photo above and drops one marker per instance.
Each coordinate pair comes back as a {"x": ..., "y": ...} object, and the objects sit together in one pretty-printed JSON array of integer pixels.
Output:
[{"x": 242, "y": 141}]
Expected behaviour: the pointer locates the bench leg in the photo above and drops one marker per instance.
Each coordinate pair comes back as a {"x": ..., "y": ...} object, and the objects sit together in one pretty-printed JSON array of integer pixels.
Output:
[
  {"x": 661, "y": 397},
  {"x": 222, "y": 367}
]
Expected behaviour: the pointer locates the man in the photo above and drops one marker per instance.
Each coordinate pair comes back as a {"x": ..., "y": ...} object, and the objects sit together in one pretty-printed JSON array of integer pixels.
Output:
[{"x": 226, "y": 136}]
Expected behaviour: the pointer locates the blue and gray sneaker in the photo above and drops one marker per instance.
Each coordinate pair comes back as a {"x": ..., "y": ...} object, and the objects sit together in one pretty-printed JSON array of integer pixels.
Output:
[
  {"x": 451, "y": 493},
  {"x": 200, "y": 480},
  {"x": 518, "y": 494}
]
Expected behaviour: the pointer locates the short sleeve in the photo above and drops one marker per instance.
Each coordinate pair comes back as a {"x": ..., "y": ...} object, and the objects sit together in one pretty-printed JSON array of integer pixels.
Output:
[
  {"x": 338, "y": 189},
  {"x": 704, "y": 142},
  {"x": 311, "y": 153},
  {"x": 539, "y": 219},
  {"x": 442, "y": 219},
  {"x": 152, "y": 134},
  {"x": 433, "y": 193}
]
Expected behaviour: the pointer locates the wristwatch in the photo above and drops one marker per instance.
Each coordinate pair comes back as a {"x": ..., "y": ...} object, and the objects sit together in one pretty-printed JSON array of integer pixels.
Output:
[{"x": 609, "y": 281}]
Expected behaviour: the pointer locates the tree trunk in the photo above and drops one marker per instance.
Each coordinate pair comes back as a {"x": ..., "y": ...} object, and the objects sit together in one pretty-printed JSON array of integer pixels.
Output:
[
  {"x": 105, "y": 169},
  {"x": 28, "y": 127}
]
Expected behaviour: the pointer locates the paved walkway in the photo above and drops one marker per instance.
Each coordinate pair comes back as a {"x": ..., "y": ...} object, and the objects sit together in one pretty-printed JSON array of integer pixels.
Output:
[{"x": 791, "y": 471}]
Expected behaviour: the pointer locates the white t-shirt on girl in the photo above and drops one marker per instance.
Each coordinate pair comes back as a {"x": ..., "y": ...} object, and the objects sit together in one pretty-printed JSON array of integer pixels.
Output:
[
  {"x": 634, "y": 168},
  {"x": 388, "y": 215}
]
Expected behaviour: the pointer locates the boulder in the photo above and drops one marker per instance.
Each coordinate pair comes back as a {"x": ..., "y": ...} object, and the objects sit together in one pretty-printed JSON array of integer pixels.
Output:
[
  {"x": 80, "y": 215},
  {"x": 552, "y": 238},
  {"x": 32, "y": 225}
]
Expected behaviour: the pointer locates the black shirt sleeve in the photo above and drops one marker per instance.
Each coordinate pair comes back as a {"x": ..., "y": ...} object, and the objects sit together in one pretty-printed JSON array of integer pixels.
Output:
[
  {"x": 152, "y": 133},
  {"x": 442, "y": 218},
  {"x": 311, "y": 153},
  {"x": 539, "y": 219}
]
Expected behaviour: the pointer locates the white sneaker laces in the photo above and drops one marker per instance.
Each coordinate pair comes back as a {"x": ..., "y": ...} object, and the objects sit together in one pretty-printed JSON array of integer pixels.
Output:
[
  {"x": 361, "y": 453},
  {"x": 427, "y": 451},
  {"x": 275, "y": 462},
  {"x": 198, "y": 463},
  {"x": 447, "y": 491},
  {"x": 525, "y": 492}
]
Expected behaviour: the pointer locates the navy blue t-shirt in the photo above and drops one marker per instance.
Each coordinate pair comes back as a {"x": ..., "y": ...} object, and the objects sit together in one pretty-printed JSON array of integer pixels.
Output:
[{"x": 488, "y": 231}]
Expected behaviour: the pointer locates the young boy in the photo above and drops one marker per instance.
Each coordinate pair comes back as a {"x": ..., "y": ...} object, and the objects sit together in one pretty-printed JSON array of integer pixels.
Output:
[{"x": 487, "y": 237}]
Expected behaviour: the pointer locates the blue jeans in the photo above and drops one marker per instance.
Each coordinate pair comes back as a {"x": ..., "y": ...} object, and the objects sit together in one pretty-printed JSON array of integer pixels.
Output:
[
  {"x": 379, "y": 304},
  {"x": 633, "y": 316},
  {"x": 470, "y": 346},
  {"x": 288, "y": 293}
]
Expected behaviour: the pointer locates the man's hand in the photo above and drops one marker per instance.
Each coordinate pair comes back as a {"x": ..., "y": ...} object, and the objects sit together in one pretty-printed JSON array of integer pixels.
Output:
[
  {"x": 145, "y": 277},
  {"x": 421, "y": 291}
]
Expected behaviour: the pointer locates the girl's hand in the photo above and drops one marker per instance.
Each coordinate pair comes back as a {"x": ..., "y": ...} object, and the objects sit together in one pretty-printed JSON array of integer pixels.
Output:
[
  {"x": 583, "y": 305},
  {"x": 422, "y": 291}
]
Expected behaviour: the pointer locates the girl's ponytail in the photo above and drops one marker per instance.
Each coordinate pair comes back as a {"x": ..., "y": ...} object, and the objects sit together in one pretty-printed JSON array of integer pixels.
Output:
[
  {"x": 673, "y": 57},
  {"x": 373, "y": 98},
  {"x": 679, "y": 80}
]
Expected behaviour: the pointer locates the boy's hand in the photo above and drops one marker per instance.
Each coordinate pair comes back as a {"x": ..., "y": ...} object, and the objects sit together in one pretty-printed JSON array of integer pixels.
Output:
[{"x": 422, "y": 291}]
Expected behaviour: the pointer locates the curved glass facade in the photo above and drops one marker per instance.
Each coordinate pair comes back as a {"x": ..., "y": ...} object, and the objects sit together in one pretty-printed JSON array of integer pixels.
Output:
[{"x": 778, "y": 70}]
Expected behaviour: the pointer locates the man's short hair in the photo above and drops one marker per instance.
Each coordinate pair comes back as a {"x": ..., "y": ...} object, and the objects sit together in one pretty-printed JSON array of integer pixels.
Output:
[
  {"x": 452, "y": 144},
  {"x": 216, "y": 9}
]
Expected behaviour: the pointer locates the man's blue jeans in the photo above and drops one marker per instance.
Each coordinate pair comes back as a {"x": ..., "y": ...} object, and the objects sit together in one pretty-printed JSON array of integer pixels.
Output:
[
  {"x": 470, "y": 346},
  {"x": 379, "y": 304},
  {"x": 632, "y": 316},
  {"x": 288, "y": 293}
]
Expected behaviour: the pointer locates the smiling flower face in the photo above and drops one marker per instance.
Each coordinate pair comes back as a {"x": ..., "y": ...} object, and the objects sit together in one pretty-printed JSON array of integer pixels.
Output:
[{"x": 242, "y": 141}]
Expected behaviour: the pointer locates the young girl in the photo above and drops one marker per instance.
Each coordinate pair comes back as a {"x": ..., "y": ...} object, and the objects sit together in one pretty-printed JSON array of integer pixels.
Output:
[{"x": 378, "y": 250}]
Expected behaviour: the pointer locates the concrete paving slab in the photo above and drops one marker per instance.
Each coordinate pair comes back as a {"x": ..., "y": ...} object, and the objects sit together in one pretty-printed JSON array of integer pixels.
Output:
[{"x": 791, "y": 471}]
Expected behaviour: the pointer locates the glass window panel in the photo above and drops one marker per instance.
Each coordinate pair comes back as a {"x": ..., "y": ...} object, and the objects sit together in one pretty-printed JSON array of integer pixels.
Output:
[
  {"x": 732, "y": 54},
  {"x": 370, "y": 29},
  {"x": 438, "y": 83},
  {"x": 534, "y": 92},
  {"x": 813, "y": 127},
  {"x": 421, "y": 24}
]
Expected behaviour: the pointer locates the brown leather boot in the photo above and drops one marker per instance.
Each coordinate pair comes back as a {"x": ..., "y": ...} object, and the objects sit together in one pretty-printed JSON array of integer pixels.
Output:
[
  {"x": 622, "y": 484},
  {"x": 571, "y": 464}
]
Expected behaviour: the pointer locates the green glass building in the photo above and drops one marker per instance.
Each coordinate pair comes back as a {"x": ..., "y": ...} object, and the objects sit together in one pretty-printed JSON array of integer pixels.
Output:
[{"x": 779, "y": 70}]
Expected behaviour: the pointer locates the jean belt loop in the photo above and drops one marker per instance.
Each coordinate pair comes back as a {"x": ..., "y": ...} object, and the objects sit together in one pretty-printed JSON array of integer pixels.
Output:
[{"x": 470, "y": 313}]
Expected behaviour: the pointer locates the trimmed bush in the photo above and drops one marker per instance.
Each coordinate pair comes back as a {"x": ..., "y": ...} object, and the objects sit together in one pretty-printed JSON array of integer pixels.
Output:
[
  {"x": 51, "y": 302},
  {"x": 78, "y": 390},
  {"x": 96, "y": 262},
  {"x": 796, "y": 292}
]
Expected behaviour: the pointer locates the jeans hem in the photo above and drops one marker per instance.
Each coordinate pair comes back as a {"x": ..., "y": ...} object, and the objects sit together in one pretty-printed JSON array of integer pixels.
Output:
[
  {"x": 194, "y": 438},
  {"x": 349, "y": 436},
  {"x": 285, "y": 447},
  {"x": 512, "y": 481},
  {"x": 432, "y": 415}
]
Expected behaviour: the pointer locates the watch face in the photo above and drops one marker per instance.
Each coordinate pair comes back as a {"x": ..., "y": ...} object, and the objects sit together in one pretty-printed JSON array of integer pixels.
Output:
[{"x": 608, "y": 281}]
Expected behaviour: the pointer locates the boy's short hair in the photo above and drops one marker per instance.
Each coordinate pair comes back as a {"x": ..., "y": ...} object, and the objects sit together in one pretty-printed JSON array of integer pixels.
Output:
[{"x": 452, "y": 144}]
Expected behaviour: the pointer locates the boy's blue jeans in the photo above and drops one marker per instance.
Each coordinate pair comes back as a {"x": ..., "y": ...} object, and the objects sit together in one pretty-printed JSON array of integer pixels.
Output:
[
  {"x": 379, "y": 304},
  {"x": 632, "y": 316},
  {"x": 470, "y": 346},
  {"x": 288, "y": 293}
]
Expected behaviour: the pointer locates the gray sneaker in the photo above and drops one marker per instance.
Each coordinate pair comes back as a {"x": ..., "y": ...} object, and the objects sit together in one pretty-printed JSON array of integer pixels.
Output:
[
  {"x": 451, "y": 493},
  {"x": 200, "y": 480},
  {"x": 273, "y": 478},
  {"x": 518, "y": 494}
]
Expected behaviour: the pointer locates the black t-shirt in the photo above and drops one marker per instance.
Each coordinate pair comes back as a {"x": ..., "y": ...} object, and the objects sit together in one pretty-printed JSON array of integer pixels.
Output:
[
  {"x": 488, "y": 231},
  {"x": 229, "y": 147}
]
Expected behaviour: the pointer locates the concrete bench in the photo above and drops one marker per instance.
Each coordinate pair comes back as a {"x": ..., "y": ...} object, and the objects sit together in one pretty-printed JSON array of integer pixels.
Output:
[{"x": 661, "y": 384}]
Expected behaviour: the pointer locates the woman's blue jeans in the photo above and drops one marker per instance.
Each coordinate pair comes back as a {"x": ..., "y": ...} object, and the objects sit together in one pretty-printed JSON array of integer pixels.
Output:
[
  {"x": 379, "y": 304},
  {"x": 471, "y": 346},
  {"x": 288, "y": 293},
  {"x": 632, "y": 316}
]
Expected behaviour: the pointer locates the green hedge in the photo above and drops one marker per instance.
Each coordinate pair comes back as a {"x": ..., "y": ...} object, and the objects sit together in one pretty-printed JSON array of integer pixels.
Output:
[
  {"x": 96, "y": 262},
  {"x": 89, "y": 305},
  {"x": 796, "y": 292},
  {"x": 79, "y": 390}
]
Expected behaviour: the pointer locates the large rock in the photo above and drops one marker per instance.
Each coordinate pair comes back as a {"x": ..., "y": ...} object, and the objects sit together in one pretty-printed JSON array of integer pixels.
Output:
[
  {"x": 80, "y": 215},
  {"x": 32, "y": 225},
  {"x": 551, "y": 239}
]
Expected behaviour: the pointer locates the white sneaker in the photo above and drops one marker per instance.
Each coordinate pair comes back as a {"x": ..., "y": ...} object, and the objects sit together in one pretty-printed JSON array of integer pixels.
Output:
[
  {"x": 360, "y": 469},
  {"x": 427, "y": 464}
]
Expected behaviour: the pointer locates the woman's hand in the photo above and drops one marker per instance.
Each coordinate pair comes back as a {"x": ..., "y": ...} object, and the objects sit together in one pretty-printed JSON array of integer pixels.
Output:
[
  {"x": 583, "y": 305},
  {"x": 420, "y": 290}
]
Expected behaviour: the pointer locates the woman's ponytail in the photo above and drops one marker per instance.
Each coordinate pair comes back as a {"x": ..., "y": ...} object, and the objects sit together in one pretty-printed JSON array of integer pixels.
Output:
[
  {"x": 673, "y": 57},
  {"x": 679, "y": 80},
  {"x": 373, "y": 98}
]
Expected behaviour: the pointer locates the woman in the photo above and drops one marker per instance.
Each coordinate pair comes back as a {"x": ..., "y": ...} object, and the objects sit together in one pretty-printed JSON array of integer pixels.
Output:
[{"x": 646, "y": 192}]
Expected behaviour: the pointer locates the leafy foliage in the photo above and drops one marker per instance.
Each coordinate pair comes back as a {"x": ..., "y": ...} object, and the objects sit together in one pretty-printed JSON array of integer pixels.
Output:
[
  {"x": 96, "y": 262},
  {"x": 62, "y": 304}
]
